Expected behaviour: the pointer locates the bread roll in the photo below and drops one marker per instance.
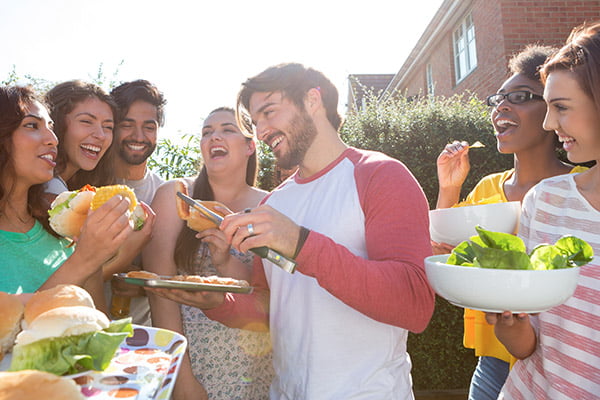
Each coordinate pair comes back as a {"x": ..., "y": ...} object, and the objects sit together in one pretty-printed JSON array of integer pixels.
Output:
[
  {"x": 63, "y": 321},
  {"x": 58, "y": 296},
  {"x": 11, "y": 312},
  {"x": 195, "y": 219},
  {"x": 70, "y": 209},
  {"x": 37, "y": 385},
  {"x": 73, "y": 207},
  {"x": 142, "y": 275}
]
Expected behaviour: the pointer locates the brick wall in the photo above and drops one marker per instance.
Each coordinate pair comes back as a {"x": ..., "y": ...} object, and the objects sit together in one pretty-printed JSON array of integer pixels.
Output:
[{"x": 502, "y": 28}]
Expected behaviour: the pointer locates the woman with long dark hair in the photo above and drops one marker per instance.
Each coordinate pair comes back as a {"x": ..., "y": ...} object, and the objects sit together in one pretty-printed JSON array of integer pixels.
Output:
[
  {"x": 31, "y": 256},
  {"x": 230, "y": 363}
]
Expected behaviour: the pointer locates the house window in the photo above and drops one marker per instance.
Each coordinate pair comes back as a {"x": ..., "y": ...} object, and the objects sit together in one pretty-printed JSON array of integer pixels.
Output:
[
  {"x": 429, "y": 77},
  {"x": 465, "y": 55}
]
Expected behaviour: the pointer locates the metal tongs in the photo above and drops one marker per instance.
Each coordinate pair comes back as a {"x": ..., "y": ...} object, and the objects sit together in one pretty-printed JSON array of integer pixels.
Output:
[{"x": 264, "y": 252}]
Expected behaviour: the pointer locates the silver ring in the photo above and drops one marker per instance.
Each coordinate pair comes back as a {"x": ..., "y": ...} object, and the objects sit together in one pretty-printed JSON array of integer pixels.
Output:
[{"x": 250, "y": 229}]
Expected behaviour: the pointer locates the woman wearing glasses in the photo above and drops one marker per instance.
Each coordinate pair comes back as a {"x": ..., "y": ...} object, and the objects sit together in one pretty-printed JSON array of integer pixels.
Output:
[{"x": 517, "y": 115}]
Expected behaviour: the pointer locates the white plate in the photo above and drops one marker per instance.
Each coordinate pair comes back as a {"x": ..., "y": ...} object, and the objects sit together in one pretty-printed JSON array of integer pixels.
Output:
[{"x": 144, "y": 368}]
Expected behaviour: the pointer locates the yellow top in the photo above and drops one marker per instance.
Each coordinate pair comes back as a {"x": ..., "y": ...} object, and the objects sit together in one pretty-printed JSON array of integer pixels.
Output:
[{"x": 478, "y": 334}]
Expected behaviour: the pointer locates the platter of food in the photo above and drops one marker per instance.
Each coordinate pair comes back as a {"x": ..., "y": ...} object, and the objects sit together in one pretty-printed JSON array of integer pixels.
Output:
[
  {"x": 192, "y": 283},
  {"x": 58, "y": 341},
  {"x": 144, "y": 367}
]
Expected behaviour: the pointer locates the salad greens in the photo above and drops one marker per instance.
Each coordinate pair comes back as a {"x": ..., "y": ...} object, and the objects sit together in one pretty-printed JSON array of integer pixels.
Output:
[
  {"x": 505, "y": 251},
  {"x": 72, "y": 354}
]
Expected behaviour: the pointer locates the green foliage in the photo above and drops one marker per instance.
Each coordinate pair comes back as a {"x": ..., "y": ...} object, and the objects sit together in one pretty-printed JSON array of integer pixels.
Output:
[
  {"x": 266, "y": 179},
  {"x": 415, "y": 132},
  {"x": 176, "y": 160},
  {"x": 41, "y": 86}
]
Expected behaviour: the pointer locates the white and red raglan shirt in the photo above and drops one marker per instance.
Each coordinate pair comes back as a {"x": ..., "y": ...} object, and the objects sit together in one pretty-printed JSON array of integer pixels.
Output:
[
  {"x": 339, "y": 324},
  {"x": 566, "y": 361}
]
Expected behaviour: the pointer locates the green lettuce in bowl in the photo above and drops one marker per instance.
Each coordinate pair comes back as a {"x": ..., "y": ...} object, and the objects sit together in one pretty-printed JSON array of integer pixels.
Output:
[{"x": 500, "y": 250}]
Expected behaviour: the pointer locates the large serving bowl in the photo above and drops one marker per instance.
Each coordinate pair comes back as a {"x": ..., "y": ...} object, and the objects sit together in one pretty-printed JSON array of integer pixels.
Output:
[
  {"x": 497, "y": 290},
  {"x": 454, "y": 225}
]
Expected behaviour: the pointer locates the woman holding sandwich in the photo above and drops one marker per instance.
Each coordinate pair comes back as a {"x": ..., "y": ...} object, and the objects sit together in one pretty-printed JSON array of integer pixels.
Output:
[
  {"x": 229, "y": 363},
  {"x": 31, "y": 257},
  {"x": 84, "y": 117}
]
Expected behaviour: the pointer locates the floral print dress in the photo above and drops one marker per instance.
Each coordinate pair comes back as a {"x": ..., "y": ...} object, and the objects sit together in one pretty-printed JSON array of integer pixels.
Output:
[{"x": 231, "y": 363}]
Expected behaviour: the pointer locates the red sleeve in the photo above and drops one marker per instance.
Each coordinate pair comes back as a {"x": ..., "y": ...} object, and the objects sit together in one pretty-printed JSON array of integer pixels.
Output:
[
  {"x": 246, "y": 311},
  {"x": 390, "y": 286}
]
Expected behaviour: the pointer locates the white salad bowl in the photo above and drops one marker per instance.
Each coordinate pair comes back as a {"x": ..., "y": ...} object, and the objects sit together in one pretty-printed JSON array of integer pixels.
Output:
[
  {"x": 498, "y": 290},
  {"x": 457, "y": 224}
]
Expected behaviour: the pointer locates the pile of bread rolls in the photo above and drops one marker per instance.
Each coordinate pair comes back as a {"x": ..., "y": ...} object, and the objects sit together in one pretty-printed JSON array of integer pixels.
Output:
[{"x": 64, "y": 310}]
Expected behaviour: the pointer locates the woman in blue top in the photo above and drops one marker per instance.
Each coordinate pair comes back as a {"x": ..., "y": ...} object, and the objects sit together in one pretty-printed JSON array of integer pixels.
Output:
[{"x": 31, "y": 258}]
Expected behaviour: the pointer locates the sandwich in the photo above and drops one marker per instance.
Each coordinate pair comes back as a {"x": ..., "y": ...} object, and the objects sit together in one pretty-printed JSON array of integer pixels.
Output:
[
  {"x": 68, "y": 335},
  {"x": 58, "y": 296},
  {"x": 36, "y": 385},
  {"x": 11, "y": 313},
  {"x": 195, "y": 219},
  {"x": 70, "y": 209}
]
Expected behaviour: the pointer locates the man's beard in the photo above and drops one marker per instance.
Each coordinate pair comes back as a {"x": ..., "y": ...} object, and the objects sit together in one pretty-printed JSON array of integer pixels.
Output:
[
  {"x": 135, "y": 159},
  {"x": 300, "y": 136}
]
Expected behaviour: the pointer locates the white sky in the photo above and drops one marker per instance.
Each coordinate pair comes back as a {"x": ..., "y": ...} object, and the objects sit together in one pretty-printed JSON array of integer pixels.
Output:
[{"x": 198, "y": 52}]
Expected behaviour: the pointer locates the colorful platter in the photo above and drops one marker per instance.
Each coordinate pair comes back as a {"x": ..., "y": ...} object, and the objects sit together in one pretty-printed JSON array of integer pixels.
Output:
[{"x": 144, "y": 368}]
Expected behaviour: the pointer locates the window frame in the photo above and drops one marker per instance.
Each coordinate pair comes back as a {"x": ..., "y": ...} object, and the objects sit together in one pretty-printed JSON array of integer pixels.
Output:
[{"x": 465, "y": 49}]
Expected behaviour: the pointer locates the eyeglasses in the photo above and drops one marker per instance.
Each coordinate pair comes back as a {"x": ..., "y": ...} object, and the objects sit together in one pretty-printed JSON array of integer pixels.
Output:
[{"x": 516, "y": 97}]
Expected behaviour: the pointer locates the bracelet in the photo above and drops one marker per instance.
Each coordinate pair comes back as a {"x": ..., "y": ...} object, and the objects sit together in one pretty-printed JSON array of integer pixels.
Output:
[{"x": 301, "y": 239}]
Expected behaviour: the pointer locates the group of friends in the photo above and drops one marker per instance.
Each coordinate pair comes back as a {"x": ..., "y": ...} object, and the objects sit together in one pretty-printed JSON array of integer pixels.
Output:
[{"x": 354, "y": 221}]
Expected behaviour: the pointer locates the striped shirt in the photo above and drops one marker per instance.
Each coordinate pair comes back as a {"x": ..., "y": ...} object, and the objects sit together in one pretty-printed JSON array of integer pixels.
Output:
[{"x": 566, "y": 361}]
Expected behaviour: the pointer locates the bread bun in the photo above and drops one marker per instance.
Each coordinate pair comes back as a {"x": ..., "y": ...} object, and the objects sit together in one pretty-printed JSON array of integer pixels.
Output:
[
  {"x": 70, "y": 209},
  {"x": 58, "y": 296},
  {"x": 195, "y": 219},
  {"x": 63, "y": 321},
  {"x": 37, "y": 385},
  {"x": 11, "y": 312},
  {"x": 73, "y": 207},
  {"x": 142, "y": 275}
]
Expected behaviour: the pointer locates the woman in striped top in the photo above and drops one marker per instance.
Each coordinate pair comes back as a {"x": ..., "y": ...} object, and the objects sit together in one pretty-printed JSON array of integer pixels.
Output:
[{"x": 559, "y": 350}]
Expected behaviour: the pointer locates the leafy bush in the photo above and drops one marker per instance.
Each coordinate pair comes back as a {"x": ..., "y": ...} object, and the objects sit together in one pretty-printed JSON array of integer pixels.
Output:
[
  {"x": 415, "y": 132},
  {"x": 175, "y": 160}
]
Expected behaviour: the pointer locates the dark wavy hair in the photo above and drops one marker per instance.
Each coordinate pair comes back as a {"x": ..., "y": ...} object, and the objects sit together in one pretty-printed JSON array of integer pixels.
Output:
[
  {"x": 129, "y": 92},
  {"x": 580, "y": 55},
  {"x": 529, "y": 60},
  {"x": 14, "y": 104},
  {"x": 61, "y": 100},
  {"x": 187, "y": 245},
  {"x": 294, "y": 81}
]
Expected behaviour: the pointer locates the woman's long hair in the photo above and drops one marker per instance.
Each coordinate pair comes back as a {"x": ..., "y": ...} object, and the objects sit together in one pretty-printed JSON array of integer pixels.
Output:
[
  {"x": 14, "y": 104},
  {"x": 61, "y": 100},
  {"x": 187, "y": 245}
]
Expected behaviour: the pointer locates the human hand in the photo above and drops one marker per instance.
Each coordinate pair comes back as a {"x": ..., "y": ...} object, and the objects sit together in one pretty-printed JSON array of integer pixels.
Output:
[
  {"x": 441, "y": 248},
  {"x": 506, "y": 319},
  {"x": 104, "y": 230},
  {"x": 217, "y": 245},
  {"x": 201, "y": 300},
  {"x": 261, "y": 226},
  {"x": 453, "y": 164}
]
